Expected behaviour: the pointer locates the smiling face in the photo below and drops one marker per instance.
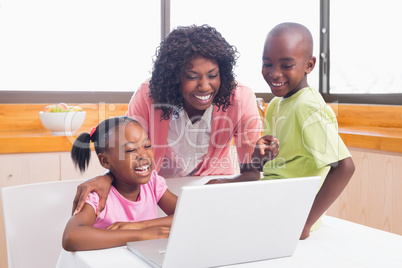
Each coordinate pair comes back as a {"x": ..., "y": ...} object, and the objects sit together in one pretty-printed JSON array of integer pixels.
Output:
[
  {"x": 286, "y": 62},
  {"x": 199, "y": 84},
  {"x": 129, "y": 156}
]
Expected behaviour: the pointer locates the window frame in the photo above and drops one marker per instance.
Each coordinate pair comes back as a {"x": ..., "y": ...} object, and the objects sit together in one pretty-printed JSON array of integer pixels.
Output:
[
  {"x": 324, "y": 69},
  {"x": 124, "y": 97}
]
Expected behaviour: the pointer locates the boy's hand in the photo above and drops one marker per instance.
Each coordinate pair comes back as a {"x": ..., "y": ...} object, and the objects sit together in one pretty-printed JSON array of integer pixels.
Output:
[
  {"x": 100, "y": 184},
  {"x": 266, "y": 149}
]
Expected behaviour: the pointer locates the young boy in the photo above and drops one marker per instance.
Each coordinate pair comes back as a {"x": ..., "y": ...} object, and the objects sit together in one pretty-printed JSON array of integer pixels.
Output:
[{"x": 298, "y": 116}]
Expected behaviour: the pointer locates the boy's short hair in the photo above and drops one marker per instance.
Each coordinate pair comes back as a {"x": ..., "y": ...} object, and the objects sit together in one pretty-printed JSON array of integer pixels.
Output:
[{"x": 295, "y": 29}]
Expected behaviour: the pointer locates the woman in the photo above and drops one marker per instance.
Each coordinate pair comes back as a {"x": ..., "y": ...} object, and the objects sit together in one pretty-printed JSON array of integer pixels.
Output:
[{"x": 192, "y": 108}]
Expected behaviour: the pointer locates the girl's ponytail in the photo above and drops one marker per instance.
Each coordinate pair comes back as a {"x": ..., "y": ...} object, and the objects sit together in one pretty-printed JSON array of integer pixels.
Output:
[
  {"x": 99, "y": 135},
  {"x": 81, "y": 151}
]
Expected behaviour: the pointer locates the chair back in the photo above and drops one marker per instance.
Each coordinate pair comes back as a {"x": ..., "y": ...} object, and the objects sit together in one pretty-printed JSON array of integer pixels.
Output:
[{"x": 35, "y": 216}]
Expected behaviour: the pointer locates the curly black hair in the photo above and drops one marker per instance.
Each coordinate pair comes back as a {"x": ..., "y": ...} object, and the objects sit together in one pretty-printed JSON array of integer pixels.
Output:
[{"x": 176, "y": 51}]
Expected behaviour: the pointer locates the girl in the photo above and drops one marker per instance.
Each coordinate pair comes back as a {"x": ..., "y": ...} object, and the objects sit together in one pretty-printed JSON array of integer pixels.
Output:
[{"x": 130, "y": 213}]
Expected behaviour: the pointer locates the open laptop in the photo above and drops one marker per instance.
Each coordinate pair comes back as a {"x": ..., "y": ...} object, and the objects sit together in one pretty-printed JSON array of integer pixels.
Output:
[{"x": 233, "y": 223}]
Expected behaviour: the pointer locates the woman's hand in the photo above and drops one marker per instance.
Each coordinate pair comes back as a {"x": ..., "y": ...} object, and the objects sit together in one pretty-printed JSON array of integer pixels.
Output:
[
  {"x": 247, "y": 173},
  {"x": 306, "y": 232},
  {"x": 99, "y": 184},
  {"x": 266, "y": 149},
  {"x": 220, "y": 180}
]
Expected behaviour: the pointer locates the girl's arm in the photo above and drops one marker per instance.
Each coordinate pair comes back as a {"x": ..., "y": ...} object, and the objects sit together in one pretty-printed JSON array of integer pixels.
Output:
[
  {"x": 80, "y": 234},
  {"x": 336, "y": 180},
  {"x": 167, "y": 203},
  {"x": 100, "y": 184}
]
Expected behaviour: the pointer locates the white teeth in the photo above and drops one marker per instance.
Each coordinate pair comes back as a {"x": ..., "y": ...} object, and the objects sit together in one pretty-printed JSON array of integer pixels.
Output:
[
  {"x": 142, "y": 168},
  {"x": 203, "y": 97},
  {"x": 277, "y": 84}
]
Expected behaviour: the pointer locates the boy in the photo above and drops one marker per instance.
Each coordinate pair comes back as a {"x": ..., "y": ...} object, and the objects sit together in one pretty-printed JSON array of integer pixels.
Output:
[{"x": 298, "y": 116}]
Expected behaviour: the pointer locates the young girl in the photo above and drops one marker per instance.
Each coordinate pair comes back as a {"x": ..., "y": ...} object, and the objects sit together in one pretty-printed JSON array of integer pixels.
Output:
[{"x": 131, "y": 208}]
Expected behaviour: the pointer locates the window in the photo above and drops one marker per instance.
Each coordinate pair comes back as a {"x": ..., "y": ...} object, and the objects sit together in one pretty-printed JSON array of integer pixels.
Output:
[
  {"x": 101, "y": 50},
  {"x": 245, "y": 25},
  {"x": 77, "y": 45},
  {"x": 364, "y": 46}
]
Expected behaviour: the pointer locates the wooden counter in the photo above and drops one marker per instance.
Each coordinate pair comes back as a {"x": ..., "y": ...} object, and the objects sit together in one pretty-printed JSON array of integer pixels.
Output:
[
  {"x": 377, "y": 127},
  {"x": 22, "y": 132},
  {"x": 363, "y": 126}
]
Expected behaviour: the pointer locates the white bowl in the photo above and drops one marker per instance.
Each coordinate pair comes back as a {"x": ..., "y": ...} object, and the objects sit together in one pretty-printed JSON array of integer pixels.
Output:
[{"x": 62, "y": 124}]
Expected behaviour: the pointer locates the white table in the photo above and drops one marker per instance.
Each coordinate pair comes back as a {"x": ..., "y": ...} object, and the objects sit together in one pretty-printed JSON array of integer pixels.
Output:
[{"x": 337, "y": 243}]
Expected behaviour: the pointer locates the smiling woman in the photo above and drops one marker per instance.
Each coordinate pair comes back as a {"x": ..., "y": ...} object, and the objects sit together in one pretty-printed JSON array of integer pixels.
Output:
[
  {"x": 200, "y": 84},
  {"x": 193, "y": 80}
]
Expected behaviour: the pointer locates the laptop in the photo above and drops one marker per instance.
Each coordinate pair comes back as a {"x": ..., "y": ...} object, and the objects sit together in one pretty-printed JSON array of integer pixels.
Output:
[{"x": 232, "y": 223}]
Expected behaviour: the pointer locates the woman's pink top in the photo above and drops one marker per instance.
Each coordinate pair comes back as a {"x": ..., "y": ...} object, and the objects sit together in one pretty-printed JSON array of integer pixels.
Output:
[{"x": 241, "y": 122}]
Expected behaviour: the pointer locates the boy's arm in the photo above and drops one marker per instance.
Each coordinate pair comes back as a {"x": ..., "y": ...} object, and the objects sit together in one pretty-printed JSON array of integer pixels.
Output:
[
  {"x": 336, "y": 180},
  {"x": 80, "y": 234},
  {"x": 100, "y": 184}
]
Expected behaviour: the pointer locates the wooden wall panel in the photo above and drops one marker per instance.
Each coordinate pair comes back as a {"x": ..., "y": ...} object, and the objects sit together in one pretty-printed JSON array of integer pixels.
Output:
[
  {"x": 373, "y": 197},
  {"x": 69, "y": 172}
]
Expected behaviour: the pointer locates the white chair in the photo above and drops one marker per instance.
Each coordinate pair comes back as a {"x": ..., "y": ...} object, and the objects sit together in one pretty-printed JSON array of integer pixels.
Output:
[{"x": 35, "y": 216}]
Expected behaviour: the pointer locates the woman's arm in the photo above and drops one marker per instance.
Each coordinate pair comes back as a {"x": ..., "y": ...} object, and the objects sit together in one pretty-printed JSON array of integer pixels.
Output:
[
  {"x": 247, "y": 173},
  {"x": 336, "y": 180},
  {"x": 80, "y": 234},
  {"x": 100, "y": 184},
  {"x": 246, "y": 136},
  {"x": 267, "y": 148}
]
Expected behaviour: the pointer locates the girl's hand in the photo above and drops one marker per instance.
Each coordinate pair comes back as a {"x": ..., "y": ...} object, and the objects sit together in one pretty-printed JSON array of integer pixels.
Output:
[
  {"x": 266, "y": 149},
  {"x": 99, "y": 184},
  {"x": 125, "y": 225},
  {"x": 155, "y": 232}
]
